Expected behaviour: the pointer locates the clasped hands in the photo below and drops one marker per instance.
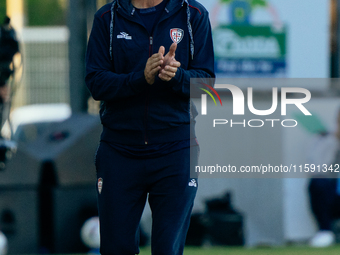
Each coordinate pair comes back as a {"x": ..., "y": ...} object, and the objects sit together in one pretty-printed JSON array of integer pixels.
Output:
[{"x": 165, "y": 66}]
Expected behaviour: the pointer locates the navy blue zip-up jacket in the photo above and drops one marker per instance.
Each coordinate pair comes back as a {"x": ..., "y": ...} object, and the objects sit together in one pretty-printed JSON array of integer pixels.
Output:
[{"x": 132, "y": 111}]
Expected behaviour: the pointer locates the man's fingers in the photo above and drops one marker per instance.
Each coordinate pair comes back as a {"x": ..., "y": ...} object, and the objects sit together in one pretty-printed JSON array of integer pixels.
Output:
[
  {"x": 154, "y": 61},
  {"x": 170, "y": 69},
  {"x": 152, "y": 67},
  {"x": 155, "y": 70},
  {"x": 166, "y": 75},
  {"x": 172, "y": 49},
  {"x": 175, "y": 64},
  {"x": 161, "y": 50},
  {"x": 156, "y": 56},
  {"x": 154, "y": 64}
]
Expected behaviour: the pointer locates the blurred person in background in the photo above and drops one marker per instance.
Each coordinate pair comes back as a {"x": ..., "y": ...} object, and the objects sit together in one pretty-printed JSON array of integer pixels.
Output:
[
  {"x": 324, "y": 187},
  {"x": 147, "y": 116},
  {"x": 9, "y": 46}
]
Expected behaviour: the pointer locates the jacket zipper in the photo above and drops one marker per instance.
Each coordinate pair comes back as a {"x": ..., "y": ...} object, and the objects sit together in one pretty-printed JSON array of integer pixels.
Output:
[
  {"x": 147, "y": 99},
  {"x": 150, "y": 45},
  {"x": 150, "y": 53}
]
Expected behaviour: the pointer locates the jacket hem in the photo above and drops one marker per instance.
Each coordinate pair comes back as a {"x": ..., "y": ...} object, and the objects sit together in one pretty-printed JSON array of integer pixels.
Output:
[{"x": 136, "y": 137}]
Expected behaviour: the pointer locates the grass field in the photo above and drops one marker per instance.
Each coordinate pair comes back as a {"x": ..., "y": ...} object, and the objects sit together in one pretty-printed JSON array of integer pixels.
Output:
[{"x": 294, "y": 250}]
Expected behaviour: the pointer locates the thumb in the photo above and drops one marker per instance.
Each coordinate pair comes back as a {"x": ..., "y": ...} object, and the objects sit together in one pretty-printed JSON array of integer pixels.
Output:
[
  {"x": 172, "y": 49},
  {"x": 161, "y": 50}
]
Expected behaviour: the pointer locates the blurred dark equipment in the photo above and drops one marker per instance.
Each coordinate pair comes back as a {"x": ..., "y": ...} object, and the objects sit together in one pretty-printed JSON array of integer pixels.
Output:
[
  {"x": 220, "y": 224},
  {"x": 56, "y": 176},
  {"x": 67, "y": 181},
  {"x": 19, "y": 218},
  {"x": 224, "y": 223},
  {"x": 197, "y": 230}
]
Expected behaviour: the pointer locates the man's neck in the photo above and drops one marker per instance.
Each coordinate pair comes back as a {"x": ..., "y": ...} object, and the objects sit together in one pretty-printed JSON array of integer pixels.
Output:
[{"x": 142, "y": 4}]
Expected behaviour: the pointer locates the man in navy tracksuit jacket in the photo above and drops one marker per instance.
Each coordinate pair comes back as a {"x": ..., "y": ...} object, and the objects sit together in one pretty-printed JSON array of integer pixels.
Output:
[{"x": 140, "y": 58}]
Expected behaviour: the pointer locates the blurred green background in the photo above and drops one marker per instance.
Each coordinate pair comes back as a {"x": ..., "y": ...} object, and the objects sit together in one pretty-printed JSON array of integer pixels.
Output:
[
  {"x": 45, "y": 13},
  {"x": 255, "y": 251},
  {"x": 41, "y": 12},
  {"x": 2, "y": 10}
]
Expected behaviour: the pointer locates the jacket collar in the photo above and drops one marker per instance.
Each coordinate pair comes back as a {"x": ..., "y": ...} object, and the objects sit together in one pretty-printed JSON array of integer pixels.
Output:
[{"x": 128, "y": 8}]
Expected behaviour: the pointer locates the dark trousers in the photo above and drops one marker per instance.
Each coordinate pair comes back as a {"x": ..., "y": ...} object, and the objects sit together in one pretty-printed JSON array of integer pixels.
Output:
[
  {"x": 325, "y": 202},
  {"x": 126, "y": 182}
]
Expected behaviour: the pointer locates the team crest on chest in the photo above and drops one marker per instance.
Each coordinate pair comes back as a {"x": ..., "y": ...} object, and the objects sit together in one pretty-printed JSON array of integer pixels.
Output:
[{"x": 176, "y": 35}]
